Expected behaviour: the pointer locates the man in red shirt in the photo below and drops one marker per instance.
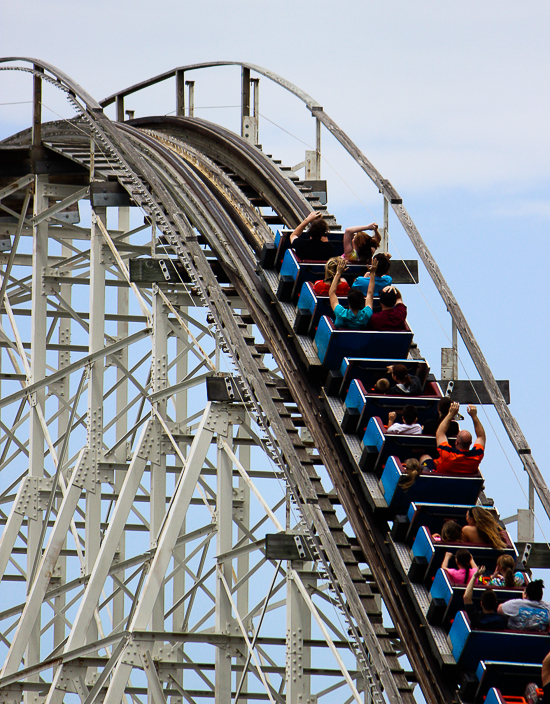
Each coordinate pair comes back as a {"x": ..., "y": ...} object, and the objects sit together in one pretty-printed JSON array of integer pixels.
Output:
[
  {"x": 462, "y": 458},
  {"x": 393, "y": 314}
]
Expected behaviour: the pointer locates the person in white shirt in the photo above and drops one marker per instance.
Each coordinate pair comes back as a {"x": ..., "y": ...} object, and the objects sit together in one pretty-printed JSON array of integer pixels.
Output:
[
  {"x": 409, "y": 426},
  {"x": 530, "y": 613}
]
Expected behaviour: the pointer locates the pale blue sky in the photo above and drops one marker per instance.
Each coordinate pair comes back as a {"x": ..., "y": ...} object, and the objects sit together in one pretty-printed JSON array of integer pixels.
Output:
[{"x": 450, "y": 102}]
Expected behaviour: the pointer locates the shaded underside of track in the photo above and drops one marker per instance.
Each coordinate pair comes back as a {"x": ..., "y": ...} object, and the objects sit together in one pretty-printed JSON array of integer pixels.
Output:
[{"x": 170, "y": 174}]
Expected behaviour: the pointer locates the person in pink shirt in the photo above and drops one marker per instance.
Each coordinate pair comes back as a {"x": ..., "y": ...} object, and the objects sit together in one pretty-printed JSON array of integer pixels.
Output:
[{"x": 466, "y": 566}]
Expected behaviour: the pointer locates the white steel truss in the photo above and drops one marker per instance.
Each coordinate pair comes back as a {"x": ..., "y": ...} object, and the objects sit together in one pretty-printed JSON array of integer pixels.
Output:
[{"x": 134, "y": 510}]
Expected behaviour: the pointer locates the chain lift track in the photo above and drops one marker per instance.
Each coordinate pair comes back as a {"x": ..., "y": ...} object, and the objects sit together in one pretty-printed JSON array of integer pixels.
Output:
[{"x": 171, "y": 169}]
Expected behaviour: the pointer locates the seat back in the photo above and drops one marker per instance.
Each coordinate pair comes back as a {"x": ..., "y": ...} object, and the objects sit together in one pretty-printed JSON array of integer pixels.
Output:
[{"x": 333, "y": 345}]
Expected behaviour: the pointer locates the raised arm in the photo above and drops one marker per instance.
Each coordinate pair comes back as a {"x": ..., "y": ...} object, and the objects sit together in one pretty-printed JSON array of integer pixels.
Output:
[
  {"x": 369, "y": 299},
  {"x": 443, "y": 429},
  {"x": 391, "y": 418},
  {"x": 351, "y": 231},
  {"x": 399, "y": 296},
  {"x": 445, "y": 563},
  {"x": 478, "y": 428},
  {"x": 302, "y": 226},
  {"x": 340, "y": 268},
  {"x": 469, "y": 593}
]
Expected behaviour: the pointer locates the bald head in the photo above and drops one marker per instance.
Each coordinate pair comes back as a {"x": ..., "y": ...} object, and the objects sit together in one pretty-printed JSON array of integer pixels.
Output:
[{"x": 463, "y": 440}]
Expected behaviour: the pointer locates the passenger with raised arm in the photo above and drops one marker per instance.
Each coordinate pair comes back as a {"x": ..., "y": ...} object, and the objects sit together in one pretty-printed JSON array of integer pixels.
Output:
[
  {"x": 322, "y": 287},
  {"x": 530, "y": 613},
  {"x": 430, "y": 426},
  {"x": 382, "y": 278},
  {"x": 312, "y": 243},
  {"x": 482, "y": 527},
  {"x": 358, "y": 246},
  {"x": 405, "y": 384},
  {"x": 359, "y": 312},
  {"x": 488, "y": 619},
  {"x": 462, "y": 458},
  {"x": 409, "y": 426},
  {"x": 465, "y": 564},
  {"x": 393, "y": 315}
]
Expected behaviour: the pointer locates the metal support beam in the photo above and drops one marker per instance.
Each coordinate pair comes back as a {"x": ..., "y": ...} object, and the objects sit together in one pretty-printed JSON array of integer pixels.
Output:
[
  {"x": 166, "y": 543},
  {"x": 224, "y": 544},
  {"x": 38, "y": 371},
  {"x": 107, "y": 551},
  {"x": 159, "y": 380},
  {"x": 298, "y": 630}
]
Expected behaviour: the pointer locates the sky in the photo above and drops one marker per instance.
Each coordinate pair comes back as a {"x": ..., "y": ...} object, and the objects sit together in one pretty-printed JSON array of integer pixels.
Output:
[{"x": 449, "y": 101}]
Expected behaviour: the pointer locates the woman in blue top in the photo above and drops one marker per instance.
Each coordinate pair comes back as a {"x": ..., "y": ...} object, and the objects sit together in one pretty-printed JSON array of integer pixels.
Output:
[{"x": 359, "y": 312}]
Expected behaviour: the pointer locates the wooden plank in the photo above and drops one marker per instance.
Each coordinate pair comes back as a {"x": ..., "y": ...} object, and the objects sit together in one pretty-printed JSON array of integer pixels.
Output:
[
  {"x": 467, "y": 391},
  {"x": 404, "y": 271},
  {"x": 539, "y": 556}
]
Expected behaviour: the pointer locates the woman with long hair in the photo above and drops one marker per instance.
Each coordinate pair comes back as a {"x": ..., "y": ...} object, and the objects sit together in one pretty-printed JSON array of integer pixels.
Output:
[
  {"x": 413, "y": 469},
  {"x": 465, "y": 564},
  {"x": 482, "y": 528},
  {"x": 504, "y": 575},
  {"x": 358, "y": 246}
]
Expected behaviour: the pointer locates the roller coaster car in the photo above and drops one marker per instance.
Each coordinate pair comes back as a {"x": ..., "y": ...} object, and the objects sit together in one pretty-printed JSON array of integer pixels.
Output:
[
  {"x": 378, "y": 447},
  {"x": 427, "y": 488},
  {"x": 434, "y": 515},
  {"x": 369, "y": 371},
  {"x": 509, "y": 677},
  {"x": 295, "y": 272},
  {"x": 282, "y": 246},
  {"x": 333, "y": 344},
  {"x": 311, "y": 308},
  {"x": 447, "y": 599},
  {"x": 469, "y": 646},
  {"x": 427, "y": 555},
  {"x": 361, "y": 406}
]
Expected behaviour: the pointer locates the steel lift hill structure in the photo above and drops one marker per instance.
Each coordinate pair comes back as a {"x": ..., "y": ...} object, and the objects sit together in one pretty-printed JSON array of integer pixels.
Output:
[{"x": 176, "y": 522}]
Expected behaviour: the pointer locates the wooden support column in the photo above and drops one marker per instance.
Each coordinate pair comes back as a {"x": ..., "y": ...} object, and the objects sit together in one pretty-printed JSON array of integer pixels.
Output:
[
  {"x": 120, "y": 108},
  {"x": 191, "y": 96},
  {"x": 245, "y": 97},
  {"x": 37, "y": 108},
  {"x": 180, "y": 93}
]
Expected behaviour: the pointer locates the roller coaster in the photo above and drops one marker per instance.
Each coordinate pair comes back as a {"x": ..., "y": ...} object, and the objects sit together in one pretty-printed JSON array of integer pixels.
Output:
[{"x": 134, "y": 509}]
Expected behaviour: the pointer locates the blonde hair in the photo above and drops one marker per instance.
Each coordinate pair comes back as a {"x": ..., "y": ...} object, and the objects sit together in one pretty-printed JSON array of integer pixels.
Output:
[
  {"x": 413, "y": 469},
  {"x": 330, "y": 268},
  {"x": 487, "y": 526},
  {"x": 382, "y": 385}
]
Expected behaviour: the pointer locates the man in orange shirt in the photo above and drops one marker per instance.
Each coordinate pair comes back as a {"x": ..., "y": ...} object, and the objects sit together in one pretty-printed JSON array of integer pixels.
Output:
[{"x": 462, "y": 458}]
